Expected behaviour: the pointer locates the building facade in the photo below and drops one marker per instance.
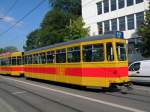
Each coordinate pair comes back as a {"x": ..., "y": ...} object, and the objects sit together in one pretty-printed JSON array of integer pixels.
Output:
[{"x": 108, "y": 15}]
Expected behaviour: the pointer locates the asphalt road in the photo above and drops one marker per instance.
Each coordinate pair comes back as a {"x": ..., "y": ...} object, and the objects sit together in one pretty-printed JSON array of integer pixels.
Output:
[{"x": 21, "y": 95}]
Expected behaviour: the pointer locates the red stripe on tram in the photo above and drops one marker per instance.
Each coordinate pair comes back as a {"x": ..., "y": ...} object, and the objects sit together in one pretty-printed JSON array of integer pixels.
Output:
[
  {"x": 12, "y": 69},
  {"x": 44, "y": 70},
  {"x": 97, "y": 72}
]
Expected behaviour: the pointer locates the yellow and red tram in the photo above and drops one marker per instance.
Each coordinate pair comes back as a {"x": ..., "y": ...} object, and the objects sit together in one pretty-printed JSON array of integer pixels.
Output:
[
  {"x": 93, "y": 61},
  {"x": 11, "y": 64}
]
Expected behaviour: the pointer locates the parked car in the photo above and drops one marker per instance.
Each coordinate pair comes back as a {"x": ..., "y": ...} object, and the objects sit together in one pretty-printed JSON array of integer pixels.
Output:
[{"x": 139, "y": 71}]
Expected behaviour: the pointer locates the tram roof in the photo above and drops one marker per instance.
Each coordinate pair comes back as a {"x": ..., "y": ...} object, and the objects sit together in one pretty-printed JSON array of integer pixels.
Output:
[{"x": 108, "y": 35}]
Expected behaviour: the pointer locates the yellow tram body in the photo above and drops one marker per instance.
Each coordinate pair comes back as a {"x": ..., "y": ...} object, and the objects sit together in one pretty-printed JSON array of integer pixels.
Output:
[
  {"x": 4, "y": 63},
  {"x": 13, "y": 65},
  {"x": 93, "y": 73}
]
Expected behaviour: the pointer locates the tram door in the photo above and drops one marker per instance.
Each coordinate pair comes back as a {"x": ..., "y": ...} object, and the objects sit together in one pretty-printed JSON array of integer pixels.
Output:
[{"x": 110, "y": 60}]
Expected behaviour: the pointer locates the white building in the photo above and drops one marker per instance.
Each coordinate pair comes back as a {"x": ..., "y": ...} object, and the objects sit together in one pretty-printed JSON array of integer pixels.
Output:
[
  {"x": 122, "y": 15},
  {"x": 106, "y": 15}
]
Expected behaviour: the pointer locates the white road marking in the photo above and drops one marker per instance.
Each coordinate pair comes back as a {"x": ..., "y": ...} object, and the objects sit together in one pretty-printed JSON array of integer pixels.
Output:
[
  {"x": 81, "y": 97},
  {"x": 19, "y": 92}
]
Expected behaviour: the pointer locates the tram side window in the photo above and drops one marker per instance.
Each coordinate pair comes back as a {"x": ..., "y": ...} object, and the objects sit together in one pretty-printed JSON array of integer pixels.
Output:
[
  {"x": 121, "y": 51},
  {"x": 61, "y": 56},
  {"x": 25, "y": 59},
  {"x": 43, "y": 58},
  {"x": 35, "y": 59},
  {"x": 14, "y": 60},
  {"x": 19, "y": 60},
  {"x": 93, "y": 53},
  {"x": 73, "y": 54},
  {"x": 110, "y": 52},
  {"x": 9, "y": 61},
  {"x": 29, "y": 59},
  {"x": 3, "y": 62},
  {"x": 51, "y": 57}
]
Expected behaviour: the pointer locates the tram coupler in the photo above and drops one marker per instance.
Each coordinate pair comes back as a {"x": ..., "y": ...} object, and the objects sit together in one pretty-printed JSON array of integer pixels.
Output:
[
  {"x": 125, "y": 87},
  {"x": 128, "y": 85}
]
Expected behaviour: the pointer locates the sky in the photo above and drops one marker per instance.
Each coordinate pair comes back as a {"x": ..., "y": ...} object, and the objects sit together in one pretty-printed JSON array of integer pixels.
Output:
[{"x": 17, "y": 35}]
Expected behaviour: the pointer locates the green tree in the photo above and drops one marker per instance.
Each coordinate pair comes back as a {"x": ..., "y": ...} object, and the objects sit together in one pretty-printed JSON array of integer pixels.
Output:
[
  {"x": 32, "y": 40},
  {"x": 10, "y": 49},
  {"x": 75, "y": 30},
  {"x": 61, "y": 23},
  {"x": 1, "y": 50},
  {"x": 67, "y": 6},
  {"x": 144, "y": 32}
]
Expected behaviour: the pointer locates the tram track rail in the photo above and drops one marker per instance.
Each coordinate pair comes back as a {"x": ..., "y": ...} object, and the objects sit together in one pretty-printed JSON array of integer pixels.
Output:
[
  {"x": 22, "y": 100},
  {"x": 41, "y": 96},
  {"x": 131, "y": 95}
]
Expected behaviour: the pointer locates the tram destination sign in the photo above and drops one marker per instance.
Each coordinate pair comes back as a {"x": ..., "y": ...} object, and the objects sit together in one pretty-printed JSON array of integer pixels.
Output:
[{"x": 119, "y": 34}]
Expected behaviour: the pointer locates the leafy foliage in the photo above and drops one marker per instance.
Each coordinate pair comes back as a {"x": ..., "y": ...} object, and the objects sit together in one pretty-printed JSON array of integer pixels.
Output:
[
  {"x": 8, "y": 49},
  {"x": 144, "y": 31},
  {"x": 67, "y": 6},
  {"x": 62, "y": 23},
  {"x": 75, "y": 30}
]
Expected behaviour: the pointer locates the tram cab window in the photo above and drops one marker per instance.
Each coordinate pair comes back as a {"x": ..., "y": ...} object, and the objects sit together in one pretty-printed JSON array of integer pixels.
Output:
[
  {"x": 19, "y": 60},
  {"x": 110, "y": 52},
  {"x": 14, "y": 60},
  {"x": 73, "y": 54},
  {"x": 51, "y": 57},
  {"x": 43, "y": 58},
  {"x": 93, "y": 53},
  {"x": 121, "y": 51},
  {"x": 61, "y": 56}
]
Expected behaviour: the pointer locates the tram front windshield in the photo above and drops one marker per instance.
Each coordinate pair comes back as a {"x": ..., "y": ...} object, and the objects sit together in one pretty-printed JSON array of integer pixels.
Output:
[{"x": 121, "y": 51}]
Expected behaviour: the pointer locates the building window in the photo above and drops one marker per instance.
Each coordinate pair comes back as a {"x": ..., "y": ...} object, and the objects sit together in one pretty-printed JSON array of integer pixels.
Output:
[
  {"x": 106, "y": 6},
  {"x": 106, "y": 26},
  {"x": 138, "y": 1},
  {"x": 113, "y": 5},
  {"x": 99, "y": 8},
  {"x": 129, "y": 2},
  {"x": 139, "y": 18},
  {"x": 122, "y": 23},
  {"x": 121, "y": 4},
  {"x": 114, "y": 24},
  {"x": 100, "y": 28},
  {"x": 130, "y": 20}
]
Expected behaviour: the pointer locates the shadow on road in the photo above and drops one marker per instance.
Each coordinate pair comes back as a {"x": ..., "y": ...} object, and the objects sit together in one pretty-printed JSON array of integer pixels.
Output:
[{"x": 78, "y": 87}]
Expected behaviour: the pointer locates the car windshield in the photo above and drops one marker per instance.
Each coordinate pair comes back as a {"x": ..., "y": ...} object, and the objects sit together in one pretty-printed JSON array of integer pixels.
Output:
[{"x": 121, "y": 51}]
